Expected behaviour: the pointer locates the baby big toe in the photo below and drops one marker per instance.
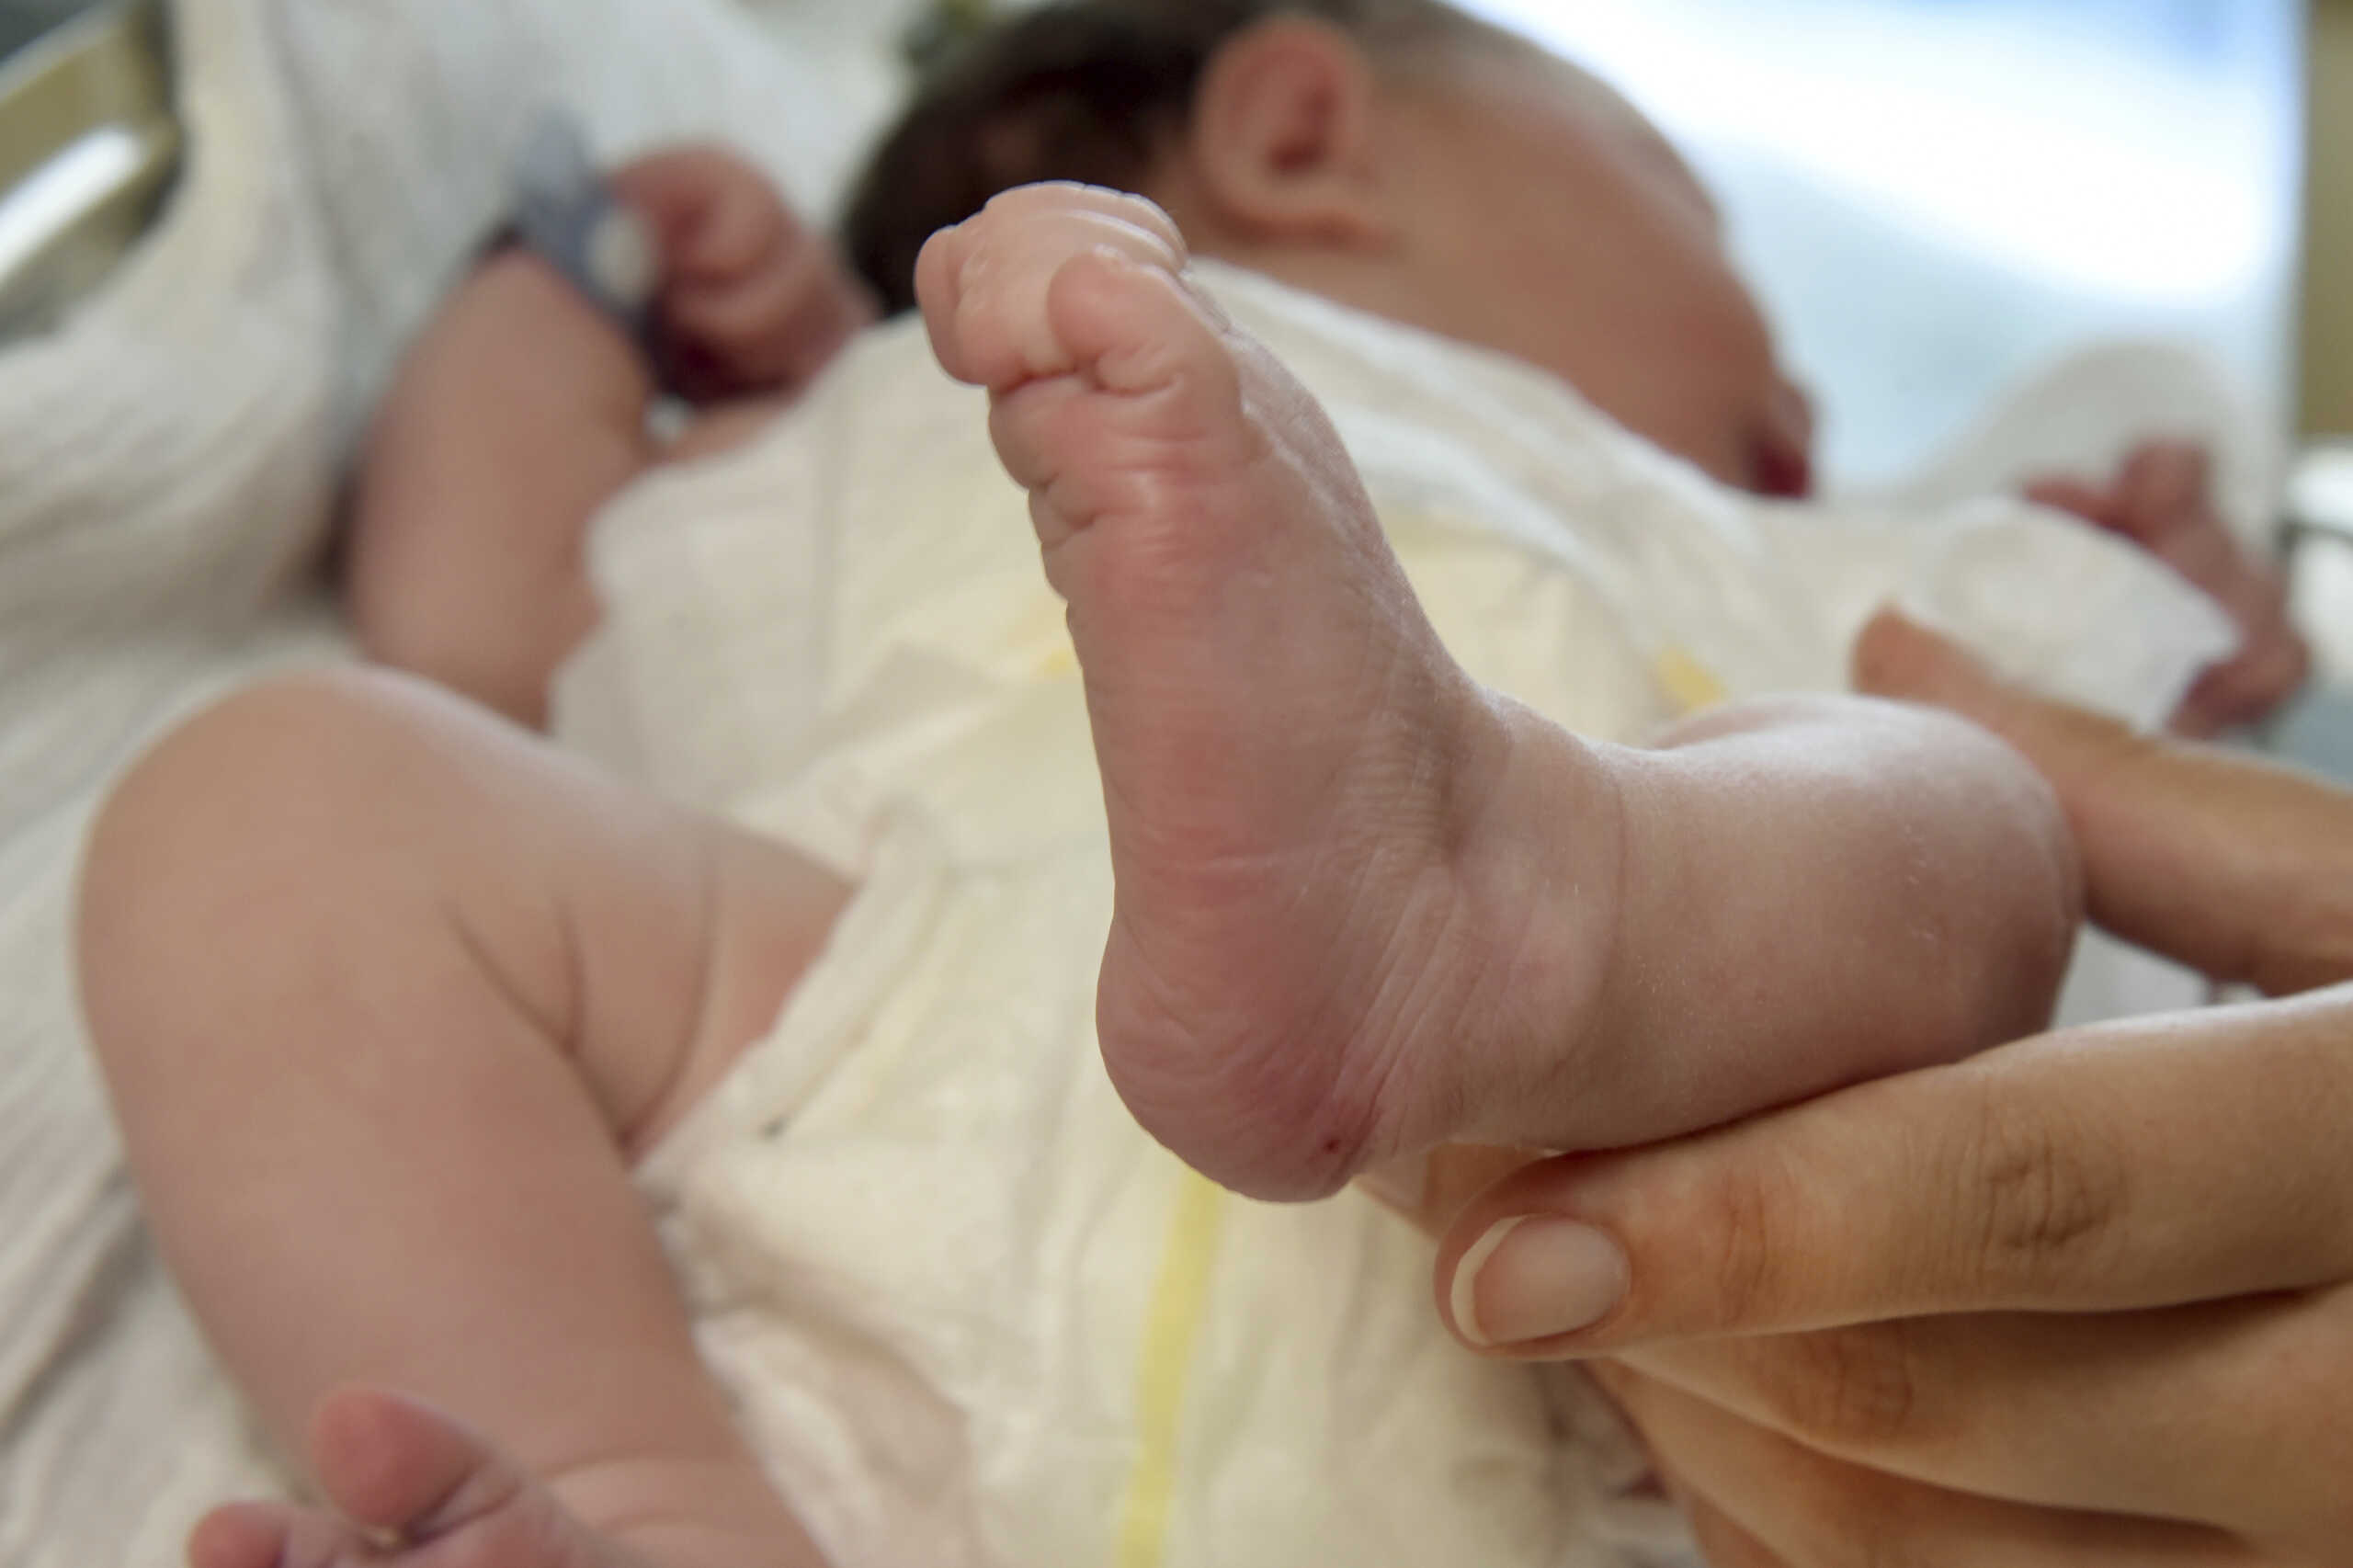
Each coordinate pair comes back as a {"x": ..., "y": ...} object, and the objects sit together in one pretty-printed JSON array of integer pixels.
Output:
[
  {"x": 278, "y": 1535},
  {"x": 395, "y": 1464}
]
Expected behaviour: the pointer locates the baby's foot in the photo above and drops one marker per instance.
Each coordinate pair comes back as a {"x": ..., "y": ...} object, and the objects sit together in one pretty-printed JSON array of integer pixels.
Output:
[
  {"x": 411, "y": 1489},
  {"x": 1332, "y": 925}
]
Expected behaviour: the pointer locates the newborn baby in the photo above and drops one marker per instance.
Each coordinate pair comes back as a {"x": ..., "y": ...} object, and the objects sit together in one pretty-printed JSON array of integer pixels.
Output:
[
  {"x": 1502, "y": 197},
  {"x": 392, "y": 997}
]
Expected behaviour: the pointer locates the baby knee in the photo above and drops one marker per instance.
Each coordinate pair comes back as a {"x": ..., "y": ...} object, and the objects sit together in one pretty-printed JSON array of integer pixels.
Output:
[
  {"x": 182, "y": 851},
  {"x": 239, "y": 763}
]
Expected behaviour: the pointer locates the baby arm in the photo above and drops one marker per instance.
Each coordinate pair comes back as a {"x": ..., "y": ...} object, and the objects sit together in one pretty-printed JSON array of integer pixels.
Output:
[
  {"x": 521, "y": 411},
  {"x": 518, "y": 413}
]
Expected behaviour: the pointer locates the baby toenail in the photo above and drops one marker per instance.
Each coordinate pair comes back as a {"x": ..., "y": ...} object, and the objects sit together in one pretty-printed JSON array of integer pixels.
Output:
[{"x": 1533, "y": 1278}]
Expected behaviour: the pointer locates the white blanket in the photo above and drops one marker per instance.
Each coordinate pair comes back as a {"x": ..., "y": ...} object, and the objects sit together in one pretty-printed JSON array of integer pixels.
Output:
[{"x": 970, "y": 1314}]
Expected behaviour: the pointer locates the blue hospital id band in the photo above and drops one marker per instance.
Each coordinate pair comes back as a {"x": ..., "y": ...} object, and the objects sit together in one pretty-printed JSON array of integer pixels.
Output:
[{"x": 566, "y": 214}]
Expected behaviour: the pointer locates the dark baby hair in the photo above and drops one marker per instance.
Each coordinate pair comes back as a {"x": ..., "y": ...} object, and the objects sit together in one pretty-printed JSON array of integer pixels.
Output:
[{"x": 1080, "y": 90}]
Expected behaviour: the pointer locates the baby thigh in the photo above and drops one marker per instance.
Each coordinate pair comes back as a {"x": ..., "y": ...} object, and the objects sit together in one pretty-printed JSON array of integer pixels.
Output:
[{"x": 389, "y": 994}]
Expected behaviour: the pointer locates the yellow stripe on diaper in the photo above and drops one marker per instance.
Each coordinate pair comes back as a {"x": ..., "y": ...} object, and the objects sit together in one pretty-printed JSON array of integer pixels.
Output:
[
  {"x": 1689, "y": 683},
  {"x": 1172, "y": 1331}
]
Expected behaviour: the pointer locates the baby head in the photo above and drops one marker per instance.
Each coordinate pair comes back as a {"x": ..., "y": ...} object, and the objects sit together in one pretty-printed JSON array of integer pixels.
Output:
[{"x": 1396, "y": 155}]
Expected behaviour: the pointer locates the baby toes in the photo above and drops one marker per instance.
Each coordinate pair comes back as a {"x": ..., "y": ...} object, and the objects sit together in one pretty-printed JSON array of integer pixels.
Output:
[
  {"x": 406, "y": 1474},
  {"x": 984, "y": 285},
  {"x": 395, "y": 1464},
  {"x": 272, "y": 1534}
]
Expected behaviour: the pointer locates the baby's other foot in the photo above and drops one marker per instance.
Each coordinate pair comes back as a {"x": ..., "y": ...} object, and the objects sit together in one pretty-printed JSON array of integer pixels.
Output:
[
  {"x": 1316, "y": 925},
  {"x": 410, "y": 1488},
  {"x": 2162, "y": 499}
]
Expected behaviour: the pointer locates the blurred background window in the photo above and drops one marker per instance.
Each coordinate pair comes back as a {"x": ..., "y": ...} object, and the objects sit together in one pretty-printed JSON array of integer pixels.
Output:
[
  {"x": 1938, "y": 197},
  {"x": 89, "y": 145}
]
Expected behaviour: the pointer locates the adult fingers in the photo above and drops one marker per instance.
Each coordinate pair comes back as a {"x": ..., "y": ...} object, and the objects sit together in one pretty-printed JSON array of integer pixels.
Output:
[
  {"x": 2254, "y": 1398},
  {"x": 2140, "y": 1164},
  {"x": 2237, "y": 869},
  {"x": 1721, "y": 1541},
  {"x": 1802, "y": 1509}
]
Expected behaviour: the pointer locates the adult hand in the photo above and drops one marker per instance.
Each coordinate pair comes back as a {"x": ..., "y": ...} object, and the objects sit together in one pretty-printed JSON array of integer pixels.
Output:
[{"x": 2086, "y": 1300}]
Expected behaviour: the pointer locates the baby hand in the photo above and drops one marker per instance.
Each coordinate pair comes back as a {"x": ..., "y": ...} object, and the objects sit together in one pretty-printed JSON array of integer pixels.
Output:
[
  {"x": 752, "y": 302},
  {"x": 2162, "y": 499}
]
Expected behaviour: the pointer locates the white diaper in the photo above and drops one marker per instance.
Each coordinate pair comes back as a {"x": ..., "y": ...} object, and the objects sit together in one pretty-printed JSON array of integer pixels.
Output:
[{"x": 968, "y": 1311}]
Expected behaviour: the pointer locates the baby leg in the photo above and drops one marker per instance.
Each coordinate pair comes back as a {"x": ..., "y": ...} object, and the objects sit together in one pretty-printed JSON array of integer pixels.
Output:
[
  {"x": 388, "y": 993},
  {"x": 1365, "y": 907}
]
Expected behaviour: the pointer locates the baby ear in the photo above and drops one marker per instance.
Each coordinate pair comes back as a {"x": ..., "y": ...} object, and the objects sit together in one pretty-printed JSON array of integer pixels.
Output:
[{"x": 1282, "y": 141}]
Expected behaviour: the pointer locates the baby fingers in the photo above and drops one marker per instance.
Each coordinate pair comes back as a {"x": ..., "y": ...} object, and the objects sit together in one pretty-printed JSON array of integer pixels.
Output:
[{"x": 773, "y": 328}]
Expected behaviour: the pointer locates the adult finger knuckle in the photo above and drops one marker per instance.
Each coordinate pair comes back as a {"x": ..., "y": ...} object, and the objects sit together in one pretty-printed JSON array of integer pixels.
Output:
[
  {"x": 1847, "y": 1391},
  {"x": 1860, "y": 1522},
  {"x": 2312, "y": 1373},
  {"x": 2039, "y": 1202},
  {"x": 2329, "y": 919},
  {"x": 2102, "y": 758},
  {"x": 1738, "y": 1209},
  {"x": 1885, "y": 1542}
]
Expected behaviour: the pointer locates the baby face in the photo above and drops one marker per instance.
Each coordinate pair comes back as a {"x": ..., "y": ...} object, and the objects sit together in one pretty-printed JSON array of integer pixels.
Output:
[{"x": 1552, "y": 223}]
